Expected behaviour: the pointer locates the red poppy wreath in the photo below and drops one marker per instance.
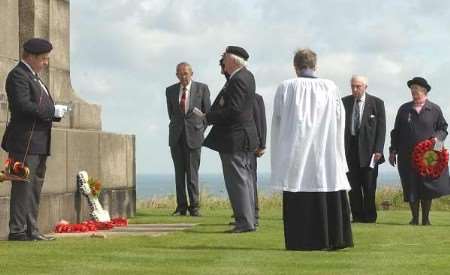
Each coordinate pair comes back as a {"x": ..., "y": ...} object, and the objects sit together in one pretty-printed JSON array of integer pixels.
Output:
[{"x": 429, "y": 163}]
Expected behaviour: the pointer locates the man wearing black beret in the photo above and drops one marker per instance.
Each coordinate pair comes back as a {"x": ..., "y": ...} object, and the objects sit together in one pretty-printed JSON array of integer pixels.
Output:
[
  {"x": 27, "y": 136},
  {"x": 234, "y": 136}
]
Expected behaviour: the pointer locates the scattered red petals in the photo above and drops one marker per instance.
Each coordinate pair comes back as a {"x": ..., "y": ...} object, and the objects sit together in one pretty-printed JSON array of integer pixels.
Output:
[{"x": 90, "y": 225}]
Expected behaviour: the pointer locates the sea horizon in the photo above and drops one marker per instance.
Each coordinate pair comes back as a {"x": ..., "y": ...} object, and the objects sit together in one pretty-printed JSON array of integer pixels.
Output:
[{"x": 163, "y": 184}]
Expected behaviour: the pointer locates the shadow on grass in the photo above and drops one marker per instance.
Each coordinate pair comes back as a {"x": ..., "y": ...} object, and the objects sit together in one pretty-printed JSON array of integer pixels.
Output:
[
  {"x": 392, "y": 223},
  {"x": 222, "y": 248},
  {"x": 409, "y": 225}
]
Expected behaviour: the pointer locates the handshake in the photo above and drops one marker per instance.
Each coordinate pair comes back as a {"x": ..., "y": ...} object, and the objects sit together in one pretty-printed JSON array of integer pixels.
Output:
[{"x": 61, "y": 110}]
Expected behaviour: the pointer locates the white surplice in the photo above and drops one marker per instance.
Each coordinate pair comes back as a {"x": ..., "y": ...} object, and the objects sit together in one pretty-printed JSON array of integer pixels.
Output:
[{"x": 307, "y": 137}]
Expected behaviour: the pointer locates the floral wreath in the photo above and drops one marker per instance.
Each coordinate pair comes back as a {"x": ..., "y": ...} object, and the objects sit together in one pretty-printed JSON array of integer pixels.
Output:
[
  {"x": 96, "y": 186},
  {"x": 14, "y": 171},
  {"x": 428, "y": 162}
]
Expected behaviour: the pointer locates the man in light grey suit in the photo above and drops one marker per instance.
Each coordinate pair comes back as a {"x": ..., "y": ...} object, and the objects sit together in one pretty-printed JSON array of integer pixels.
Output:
[{"x": 186, "y": 135}]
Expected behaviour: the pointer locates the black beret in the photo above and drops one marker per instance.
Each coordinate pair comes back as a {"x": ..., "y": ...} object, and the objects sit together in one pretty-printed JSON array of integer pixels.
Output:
[
  {"x": 419, "y": 81},
  {"x": 37, "y": 46},
  {"x": 241, "y": 52}
]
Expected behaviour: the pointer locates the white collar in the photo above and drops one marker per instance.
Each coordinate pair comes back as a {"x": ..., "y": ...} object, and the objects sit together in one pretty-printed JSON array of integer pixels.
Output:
[
  {"x": 362, "y": 98},
  {"x": 188, "y": 87}
]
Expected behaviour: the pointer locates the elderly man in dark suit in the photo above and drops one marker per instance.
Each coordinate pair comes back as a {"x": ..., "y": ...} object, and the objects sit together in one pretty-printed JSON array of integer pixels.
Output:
[
  {"x": 234, "y": 136},
  {"x": 186, "y": 135},
  {"x": 365, "y": 130},
  {"x": 259, "y": 115},
  {"x": 27, "y": 136}
]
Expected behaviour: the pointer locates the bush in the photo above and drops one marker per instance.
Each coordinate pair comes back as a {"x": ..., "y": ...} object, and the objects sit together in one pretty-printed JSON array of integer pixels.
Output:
[{"x": 393, "y": 197}]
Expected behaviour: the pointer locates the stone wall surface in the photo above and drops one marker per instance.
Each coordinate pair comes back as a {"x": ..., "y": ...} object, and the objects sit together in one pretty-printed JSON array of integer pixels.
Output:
[{"x": 78, "y": 143}]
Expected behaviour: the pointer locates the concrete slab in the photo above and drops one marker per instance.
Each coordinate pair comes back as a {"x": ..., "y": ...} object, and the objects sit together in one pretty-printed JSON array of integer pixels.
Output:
[
  {"x": 113, "y": 165},
  {"x": 4, "y": 218},
  {"x": 9, "y": 28},
  {"x": 59, "y": 32},
  {"x": 56, "y": 175},
  {"x": 82, "y": 154},
  {"x": 131, "y": 160}
]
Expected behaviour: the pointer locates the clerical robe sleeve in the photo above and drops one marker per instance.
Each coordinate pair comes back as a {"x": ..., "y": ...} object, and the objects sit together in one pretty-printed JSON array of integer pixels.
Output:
[{"x": 275, "y": 130}]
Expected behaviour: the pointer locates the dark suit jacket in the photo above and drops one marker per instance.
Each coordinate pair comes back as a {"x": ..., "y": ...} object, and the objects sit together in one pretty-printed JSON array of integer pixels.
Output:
[
  {"x": 28, "y": 103},
  {"x": 193, "y": 125},
  {"x": 372, "y": 130},
  {"x": 259, "y": 114},
  {"x": 231, "y": 115}
]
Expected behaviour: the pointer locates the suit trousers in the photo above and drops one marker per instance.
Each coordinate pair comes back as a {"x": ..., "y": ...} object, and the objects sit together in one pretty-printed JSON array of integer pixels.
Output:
[
  {"x": 254, "y": 166},
  {"x": 186, "y": 162},
  {"x": 363, "y": 181},
  {"x": 238, "y": 176},
  {"x": 25, "y": 197}
]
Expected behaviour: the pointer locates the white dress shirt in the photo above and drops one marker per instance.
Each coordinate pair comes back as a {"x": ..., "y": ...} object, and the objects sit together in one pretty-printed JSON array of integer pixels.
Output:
[
  {"x": 188, "y": 92},
  {"x": 361, "y": 105}
]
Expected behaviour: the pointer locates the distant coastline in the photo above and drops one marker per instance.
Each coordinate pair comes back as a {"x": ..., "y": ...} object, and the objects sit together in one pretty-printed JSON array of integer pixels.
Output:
[{"x": 162, "y": 185}]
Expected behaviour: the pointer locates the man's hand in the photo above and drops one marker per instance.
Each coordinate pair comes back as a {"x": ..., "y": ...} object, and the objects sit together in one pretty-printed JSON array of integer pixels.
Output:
[
  {"x": 197, "y": 112},
  {"x": 259, "y": 152},
  {"x": 393, "y": 159},
  {"x": 377, "y": 156}
]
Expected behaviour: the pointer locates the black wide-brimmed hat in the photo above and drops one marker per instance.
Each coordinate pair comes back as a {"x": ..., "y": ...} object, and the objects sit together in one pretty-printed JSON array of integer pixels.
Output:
[
  {"x": 37, "y": 46},
  {"x": 419, "y": 81},
  {"x": 239, "y": 51}
]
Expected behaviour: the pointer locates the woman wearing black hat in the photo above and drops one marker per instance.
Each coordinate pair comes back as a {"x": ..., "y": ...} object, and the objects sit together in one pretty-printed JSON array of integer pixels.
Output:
[{"x": 418, "y": 120}]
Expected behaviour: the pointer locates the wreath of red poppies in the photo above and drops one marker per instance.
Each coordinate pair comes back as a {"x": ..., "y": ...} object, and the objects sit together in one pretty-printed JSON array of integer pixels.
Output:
[{"x": 428, "y": 162}]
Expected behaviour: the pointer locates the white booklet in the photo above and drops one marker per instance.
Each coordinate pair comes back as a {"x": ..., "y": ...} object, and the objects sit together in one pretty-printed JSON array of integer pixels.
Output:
[
  {"x": 372, "y": 161},
  {"x": 439, "y": 145},
  {"x": 197, "y": 112}
]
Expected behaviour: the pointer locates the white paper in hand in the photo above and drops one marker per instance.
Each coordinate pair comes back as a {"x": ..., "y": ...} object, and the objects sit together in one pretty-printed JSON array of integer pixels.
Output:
[
  {"x": 197, "y": 112},
  {"x": 372, "y": 161},
  {"x": 60, "y": 110},
  {"x": 439, "y": 145}
]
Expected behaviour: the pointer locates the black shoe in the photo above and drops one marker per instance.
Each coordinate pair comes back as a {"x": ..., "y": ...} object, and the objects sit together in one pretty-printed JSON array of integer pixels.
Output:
[
  {"x": 41, "y": 237},
  {"x": 240, "y": 230},
  {"x": 357, "y": 220},
  {"x": 179, "y": 213},
  {"x": 18, "y": 237},
  {"x": 414, "y": 222},
  {"x": 426, "y": 222},
  {"x": 194, "y": 213}
]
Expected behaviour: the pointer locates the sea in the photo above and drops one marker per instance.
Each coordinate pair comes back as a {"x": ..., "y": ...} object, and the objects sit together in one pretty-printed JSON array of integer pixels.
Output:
[{"x": 162, "y": 185}]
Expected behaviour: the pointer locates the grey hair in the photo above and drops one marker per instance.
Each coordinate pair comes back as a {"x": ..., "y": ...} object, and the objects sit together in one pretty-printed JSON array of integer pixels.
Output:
[
  {"x": 362, "y": 78},
  {"x": 238, "y": 60},
  {"x": 183, "y": 64}
]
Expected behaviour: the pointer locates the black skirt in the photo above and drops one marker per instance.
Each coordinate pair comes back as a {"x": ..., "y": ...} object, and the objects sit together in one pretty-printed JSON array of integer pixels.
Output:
[
  {"x": 416, "y": 187},
  {"x": 316, "y": 220}
]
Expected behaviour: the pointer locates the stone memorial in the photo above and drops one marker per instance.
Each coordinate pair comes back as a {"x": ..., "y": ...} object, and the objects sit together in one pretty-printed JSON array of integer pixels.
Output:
[{"x": 78, "y": 142}]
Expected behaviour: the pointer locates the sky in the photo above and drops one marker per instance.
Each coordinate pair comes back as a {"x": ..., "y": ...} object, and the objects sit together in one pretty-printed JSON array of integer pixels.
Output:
[{"x": 124, "y": 54}]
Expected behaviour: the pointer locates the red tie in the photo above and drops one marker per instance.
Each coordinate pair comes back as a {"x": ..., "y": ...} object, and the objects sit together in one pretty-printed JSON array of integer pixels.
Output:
[{"x": 183, "y": 100}]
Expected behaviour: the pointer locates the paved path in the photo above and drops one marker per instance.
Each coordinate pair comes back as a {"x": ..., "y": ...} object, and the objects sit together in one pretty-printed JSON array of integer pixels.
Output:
[{"x": 130, "y": 230}]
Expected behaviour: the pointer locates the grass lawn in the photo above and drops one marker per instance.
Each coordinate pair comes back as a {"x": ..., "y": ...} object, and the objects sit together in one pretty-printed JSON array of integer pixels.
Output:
[{"x": 389, "y": 247}]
